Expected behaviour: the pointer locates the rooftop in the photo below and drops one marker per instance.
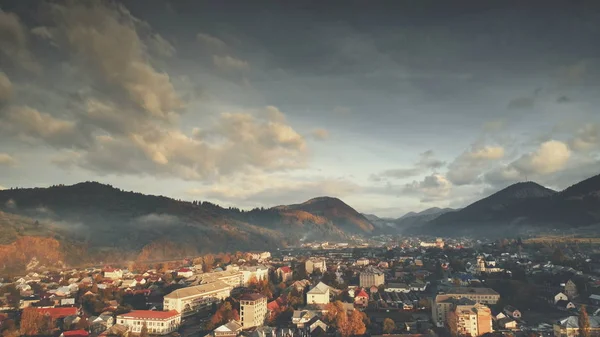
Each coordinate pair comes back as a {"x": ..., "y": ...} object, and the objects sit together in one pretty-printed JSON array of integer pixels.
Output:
[
  {"x": 252, "y": 297},
  {"x": 471, "y": 290},
  {"x": 198, "y": 290},
  {"x": 150, "y": 314}
]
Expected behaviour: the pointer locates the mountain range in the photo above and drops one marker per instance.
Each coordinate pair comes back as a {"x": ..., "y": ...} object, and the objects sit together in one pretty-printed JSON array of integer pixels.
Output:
[{"x": 101, "y": 222}]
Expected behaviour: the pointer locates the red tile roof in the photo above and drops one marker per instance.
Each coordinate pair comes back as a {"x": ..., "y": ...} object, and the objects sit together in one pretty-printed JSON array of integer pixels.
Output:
[
  {"x": 286, "y": 269},
  {"x": 150, "y": 314},
  {"x": 57, "y": 313},
  {"x": 184, "y": 270},
  {"x": 76, "y": 333},
  {"x": 362, "y": 293}
]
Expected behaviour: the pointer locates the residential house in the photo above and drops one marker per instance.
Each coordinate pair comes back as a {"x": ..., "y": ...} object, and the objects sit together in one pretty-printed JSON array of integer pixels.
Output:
[
  {"x": 230, "y": 329},
  {"x": 511, "y": 311},
  {"x": 361, "y": 299},
  {"x": 571, "y": 290},
  {"x": 569, "y": 327},
  {"x": 75, "y": 333},
  {"x": 595, "y": 300},
  {"x": 301, "y": 317},
  {"x": 314, "y": 324},
  {"x": 319, "y": 294},
  {"x": 285, "y": 273},
  {"x": 112, "y": 273},
  {"x": 363, "y": 261},
  {"x": 259, "y": 272},
  {"x": 565, "y": 305},
  {"x": 560, "y": 297},
  {"x": 99, "y": 324},
  {"x": 185, "y": 272},
  {"x": 157, "y": 322},
  {"x": 507, "y": 323}
]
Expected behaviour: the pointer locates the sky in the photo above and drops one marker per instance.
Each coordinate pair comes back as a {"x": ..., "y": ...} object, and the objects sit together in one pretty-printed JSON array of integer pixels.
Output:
[{"x": 390, "y": 106}]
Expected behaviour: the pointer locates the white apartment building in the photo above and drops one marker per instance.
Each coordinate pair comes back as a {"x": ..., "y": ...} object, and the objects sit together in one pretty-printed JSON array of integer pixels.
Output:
[
  {"x": 157, "y": 322},
  {"x": 189, "y": 300},
  {"x": 253, "y": 310},
  {"x": 444, "y": 303},
  {"x": 260, "y": 272},
  {"x": 233, "y": 278},
  {"x": 363, "y": 261},
  {"x": 318, "y": 295},
  {"x": 371, "y": 277},
  {"x": 313, "y": 264}
]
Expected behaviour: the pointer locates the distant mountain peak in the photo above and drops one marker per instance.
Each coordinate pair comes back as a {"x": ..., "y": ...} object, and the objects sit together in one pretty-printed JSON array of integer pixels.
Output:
[{"x": 522, "y": 190}]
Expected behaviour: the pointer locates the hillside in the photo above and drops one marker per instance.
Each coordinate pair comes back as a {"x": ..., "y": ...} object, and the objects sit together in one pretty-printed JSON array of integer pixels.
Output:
[
  {"x": 523, "y": 207},
  {"x": 413, "y": 219},
  {"x": 107, "y": 219},
  {"x": 345, "y": 217}
]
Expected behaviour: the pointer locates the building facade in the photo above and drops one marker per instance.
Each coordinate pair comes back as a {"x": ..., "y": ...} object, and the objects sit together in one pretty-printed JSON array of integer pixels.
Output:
[
  {"x": 470, "y": 320},
  {"x": 157, "y": 322},
  {"x": 313, "y": 264},
  {"x": 319, "y": 294},
  {"x": 189, "y": 300},
  {"x": 371, "y": 277},
  {"x": 259, "y": 272},
  {"x": 444, "y": 303},
  {"x": 253, "y": 310}
]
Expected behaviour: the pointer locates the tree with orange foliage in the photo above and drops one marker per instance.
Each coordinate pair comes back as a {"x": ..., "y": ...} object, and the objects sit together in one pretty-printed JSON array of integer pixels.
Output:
[
  {"x": 224, "y": 314},
  {"x": 209, "y": 261},
  {"x": 33, "y": 323},
  {"x": 351, "y": 324}
]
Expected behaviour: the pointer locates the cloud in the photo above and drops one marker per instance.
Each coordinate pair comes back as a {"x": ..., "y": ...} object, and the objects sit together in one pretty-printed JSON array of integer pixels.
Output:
[
  {"x": 494, "y": 126},
  {"x": 550, "y": 157},
  {"x": 234, "y": 142},
  {"x": 2, "y": 188},
  {"x": 468, "y": 167},
  {"x": 106, "y": 44},
  {"x": 30, "y": 124},
  {"x": 14, "y": 42},
  {"x": 7, "y": 160},
  {"x": 426, "y": 162},
  {"x": 521, "y": 103},
  {"x": 228, "y": 63},
  {"x": 431, "y": 188},
  {"x": 161, "y": 46},
  {"x": 6, "y": 88},
  {"x": 210, "y": 41},
  {"x": 254, "y": 190},
  {"x": 320, "y": 134},
  {"x": 587, "y": 138},
  {"x": 563, "y": 99}
]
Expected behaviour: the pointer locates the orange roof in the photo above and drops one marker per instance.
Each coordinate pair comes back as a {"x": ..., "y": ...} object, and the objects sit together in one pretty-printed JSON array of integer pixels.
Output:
[
  {"x": 150, "y": 314},
  {"x": 56, "y": 313}
]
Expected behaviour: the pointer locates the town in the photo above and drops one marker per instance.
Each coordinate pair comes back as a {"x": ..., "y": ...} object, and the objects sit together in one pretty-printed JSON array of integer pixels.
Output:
[{"x": 386, "y": 285}]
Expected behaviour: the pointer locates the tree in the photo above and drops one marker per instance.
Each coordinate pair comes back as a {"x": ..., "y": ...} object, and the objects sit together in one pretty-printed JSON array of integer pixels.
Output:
[
  {"x": 209, "y": 261},
  {"x": 352, "y": 324},
  {"x": 584, "y": 322},
  {"x": 32, "y": 322},
  {"x": 224, "y": 314},
  {"x": 558, "y": 256},
  {"x": 144, "y": 332},
  {"x": 388, "y": 325}
]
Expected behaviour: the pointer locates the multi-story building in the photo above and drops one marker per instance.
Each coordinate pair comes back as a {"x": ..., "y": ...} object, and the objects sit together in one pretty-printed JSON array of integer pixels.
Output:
[
  {"x": 253, "y": 310},
  {"x": 319, "y": 294},
  {"x": 470, "y": 320},
  {"x": 363, "y": 261},
  {"x": 444, "y": 303},
  {"x": 157, "y": 322},
  {"x": 313, "y": 264},
  {"x": 259, "y": 272},
  {"x": 371, "y": 277},
  {"x": 569, "y": 327},
  {"x": 189, "y": 300},
  {"x": 234, "y": 278}
]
